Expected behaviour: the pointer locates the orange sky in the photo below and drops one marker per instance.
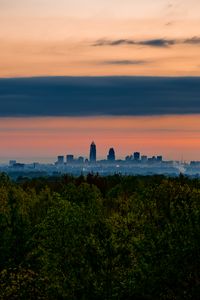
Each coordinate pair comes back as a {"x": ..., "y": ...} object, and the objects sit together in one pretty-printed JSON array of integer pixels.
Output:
[
  {"x": 48, "y": 37},
  {"x": 176, "y": 137}
]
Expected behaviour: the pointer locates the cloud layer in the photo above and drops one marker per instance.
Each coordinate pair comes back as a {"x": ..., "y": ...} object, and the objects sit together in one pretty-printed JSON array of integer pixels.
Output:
[
  {"x": 160, "y": 42},
  {"x": 96, "y": 96},
  {"x": 124, "y": 62}
]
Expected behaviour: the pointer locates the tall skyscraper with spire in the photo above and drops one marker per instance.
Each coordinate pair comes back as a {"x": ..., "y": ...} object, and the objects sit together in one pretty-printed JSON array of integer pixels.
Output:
[{"x": 93, "y": 152}]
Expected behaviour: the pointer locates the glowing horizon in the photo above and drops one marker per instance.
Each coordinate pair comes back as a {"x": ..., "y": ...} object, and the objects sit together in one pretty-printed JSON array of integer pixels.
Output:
[{"x": 174, "y": 137}]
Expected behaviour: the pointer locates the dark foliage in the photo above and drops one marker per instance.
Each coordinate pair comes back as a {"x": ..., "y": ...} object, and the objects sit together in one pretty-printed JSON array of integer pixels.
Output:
[{"x": 116, "y": 237}]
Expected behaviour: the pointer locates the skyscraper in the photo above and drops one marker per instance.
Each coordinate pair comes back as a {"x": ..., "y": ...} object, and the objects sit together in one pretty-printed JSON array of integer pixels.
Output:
[
  {"x": 60, "y": 160},
  {"x": 136, "y": 155},
  {"x": 93, "y": 152},
  {"x": 111, "y": 155},
  {"x": 159, "y": 158},
  {"x": 69, "y": 158}
]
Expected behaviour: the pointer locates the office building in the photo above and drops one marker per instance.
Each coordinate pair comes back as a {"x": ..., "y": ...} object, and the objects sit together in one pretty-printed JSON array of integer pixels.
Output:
[
  {"x": 159, "y": 158},
  {"x": 69, "y": 158},
  {"x": 136, "y": 156},
  {"x": 111, "y": 155},
  {"x": 81, "y": 159},
  {"x": 60, "y": 160},
  {"x": 12, "y": 162},
  {"x": 144, "y": 158},
  {"x": 93, "y": 152}
]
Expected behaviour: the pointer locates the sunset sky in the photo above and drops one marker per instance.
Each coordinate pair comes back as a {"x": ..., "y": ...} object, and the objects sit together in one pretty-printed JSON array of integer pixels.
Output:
[
  {"x": 45, "y": 38},
  {"x": 63, "y": 37}
]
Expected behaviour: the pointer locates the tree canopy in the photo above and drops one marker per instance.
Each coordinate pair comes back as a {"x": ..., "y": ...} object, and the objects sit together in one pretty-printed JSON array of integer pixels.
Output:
[{"x": 115, "y": 237}]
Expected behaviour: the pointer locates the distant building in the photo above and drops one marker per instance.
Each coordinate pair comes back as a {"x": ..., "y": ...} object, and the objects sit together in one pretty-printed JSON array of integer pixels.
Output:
[
  {"x": 12, "y": 162},
  {"x": 159, "y": 158},
  {"x": 81, "y": 159},
  {"x": 93, "y": 155},
  {"x": 195, "y": 163},
  {"x": 18, "y": 166},
  {"x": 136, "y": 155},
  {"x": 144, "y": 158},
  {"x": 60, "y": 160},
  {"x": 111, "y": 155},
  {"x": 128, "y": 157},
  {"x": 69, "y": 158},
  {"x": 35, "y": 165},
  {"x": 152, "y": 159}
]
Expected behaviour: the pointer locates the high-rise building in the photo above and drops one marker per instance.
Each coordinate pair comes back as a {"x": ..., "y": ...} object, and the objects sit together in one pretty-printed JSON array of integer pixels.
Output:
[
  {"x": 81, "y": 159},
  {"x": 159, "y": 158},
  {"x": 111, "y": 155},
  {"x": 60, "y": 160},
  {"x": 136, "y": 155},
  {"x": 69, "y": 158},
  {"x": 144, "y": 158},
  {"x": 128, "y": 157},
  {"x": 93, "y": 152},
  {"x": 12, "y": 162}
]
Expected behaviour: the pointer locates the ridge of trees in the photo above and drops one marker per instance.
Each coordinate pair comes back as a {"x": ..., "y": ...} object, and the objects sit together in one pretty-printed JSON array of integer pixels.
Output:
[{"x": 92, "y": 237}]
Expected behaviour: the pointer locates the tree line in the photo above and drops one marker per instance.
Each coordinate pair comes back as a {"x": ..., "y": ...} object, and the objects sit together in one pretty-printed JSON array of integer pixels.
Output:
[{"x": 92, "y": 237}]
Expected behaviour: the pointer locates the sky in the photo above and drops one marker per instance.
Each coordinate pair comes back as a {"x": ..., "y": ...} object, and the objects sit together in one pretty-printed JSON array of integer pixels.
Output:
[
  {"x": 42, "y": 139},
  {"x": 81, "y": 37},
  {"x": 55, "y": 59}
]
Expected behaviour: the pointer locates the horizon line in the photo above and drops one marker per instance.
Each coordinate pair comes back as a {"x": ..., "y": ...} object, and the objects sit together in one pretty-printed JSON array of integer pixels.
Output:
[{"x": 100, "y": 76}]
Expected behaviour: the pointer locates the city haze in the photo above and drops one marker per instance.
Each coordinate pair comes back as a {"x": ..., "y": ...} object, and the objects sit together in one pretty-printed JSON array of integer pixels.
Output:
[{"x": 175, "y": 137}]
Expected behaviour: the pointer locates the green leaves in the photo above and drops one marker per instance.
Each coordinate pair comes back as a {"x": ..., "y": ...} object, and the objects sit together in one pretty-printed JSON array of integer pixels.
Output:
[{"x": 100, "y": 238}]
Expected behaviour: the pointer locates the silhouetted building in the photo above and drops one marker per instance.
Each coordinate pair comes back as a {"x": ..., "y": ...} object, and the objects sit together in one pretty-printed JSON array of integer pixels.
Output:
[
  {"x": 18, "y": 166},
  {"x": 144, "y": 158},
  {"x": 60, "y": 160},
  {"x": 70, "y": 158},
  {"x": 136, "y": 156},
  {"x": 128, "y": 157},
  {"x": 12, "y": 162},
  {"x": 159, "y": 158},
  {"x": 81, "y": 159},
  {"x": 35, "y": 165},
  {"x": 111, "y": 155},
  {"x": 152, "y": 159},
  {"x": 93, "y": 155}
]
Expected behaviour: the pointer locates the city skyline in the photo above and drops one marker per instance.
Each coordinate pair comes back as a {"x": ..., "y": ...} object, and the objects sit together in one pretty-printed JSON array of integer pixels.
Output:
[
  {"x": 47, "y": 137},
  {"x": 111, "y": 157},
  {"x": 93, "y": 155},
  {"x": 136, "y": 163}
]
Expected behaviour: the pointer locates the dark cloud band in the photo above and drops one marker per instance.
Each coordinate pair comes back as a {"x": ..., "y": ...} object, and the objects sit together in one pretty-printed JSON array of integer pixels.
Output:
[
  {"x": 162, "y": 43},
  {"x": 124, "y": 62},
  {"x": 90, "y": 96}
]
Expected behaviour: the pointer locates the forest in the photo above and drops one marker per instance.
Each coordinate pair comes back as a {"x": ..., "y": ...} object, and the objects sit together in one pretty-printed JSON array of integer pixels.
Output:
[{"x": 92, "y": 237}]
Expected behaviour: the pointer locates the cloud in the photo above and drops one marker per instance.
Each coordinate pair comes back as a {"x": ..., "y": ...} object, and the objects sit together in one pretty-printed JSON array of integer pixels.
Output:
[
  {"x": 104, "y": 42},
  {"x": 159, "y": 43},
  {"x": 152, "y": 42},
  {"x": 97, "y": 96},
  {"x": 124, "y": 62},
  {"x": 169, "y": 23},
  {"x": 194, "y": 40}
]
